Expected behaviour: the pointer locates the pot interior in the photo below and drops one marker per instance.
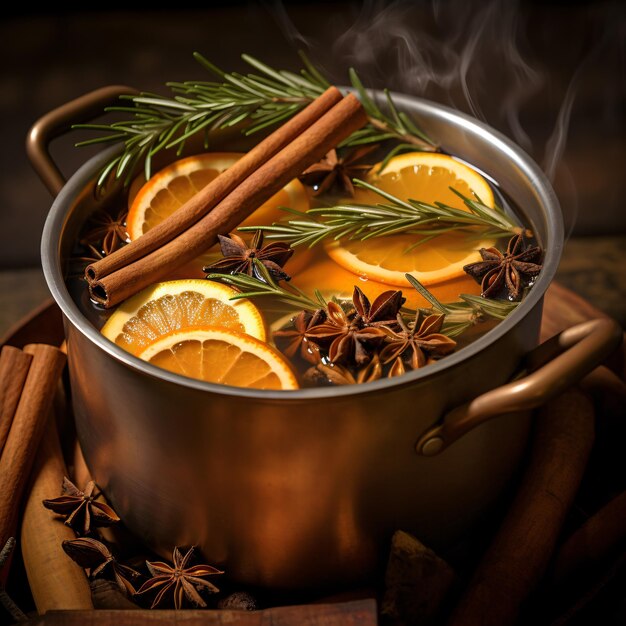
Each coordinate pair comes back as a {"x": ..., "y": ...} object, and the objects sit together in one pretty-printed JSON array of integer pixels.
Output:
[{"x": 500, "y": 160}]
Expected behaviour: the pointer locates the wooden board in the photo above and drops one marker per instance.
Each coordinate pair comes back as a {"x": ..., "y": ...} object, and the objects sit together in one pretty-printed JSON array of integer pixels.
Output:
[{"x": 358, "y": 613}]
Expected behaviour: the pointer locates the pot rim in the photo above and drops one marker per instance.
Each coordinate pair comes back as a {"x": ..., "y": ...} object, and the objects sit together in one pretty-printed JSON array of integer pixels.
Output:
[{"x": 53, "y": 272}]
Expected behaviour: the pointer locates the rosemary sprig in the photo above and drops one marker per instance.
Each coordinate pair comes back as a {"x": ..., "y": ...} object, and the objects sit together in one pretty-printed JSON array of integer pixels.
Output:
[
  {"x": 459, "y": 315},
  {"x": 264, "y": 285},
  {"x": 393, "y": 216},
  {"x": 467, "y": 312},
  {"x": 261, "y": 99}
]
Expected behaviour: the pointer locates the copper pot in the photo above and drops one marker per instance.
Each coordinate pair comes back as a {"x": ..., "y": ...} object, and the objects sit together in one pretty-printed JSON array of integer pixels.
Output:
[{"x": 305, "y": 488}]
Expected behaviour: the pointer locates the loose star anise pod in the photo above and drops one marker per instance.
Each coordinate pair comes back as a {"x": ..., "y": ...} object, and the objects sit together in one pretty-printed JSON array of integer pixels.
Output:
[
  {"x": 340, "y": 375},
  {"x": 413, "y": 346},
  {"x": 346, "y": 336},
  {"x": 498, "y": 270},
  {"x": 81, "y": 508},
  {"x": 333, "y": 170},
  {"x": 238, "y": 257},
  {"x": 107, "y": 232},
  {"x": 182, "y": 580},
  {"x": 93, "y": 555},
  {"x": 293, "y": 341}
]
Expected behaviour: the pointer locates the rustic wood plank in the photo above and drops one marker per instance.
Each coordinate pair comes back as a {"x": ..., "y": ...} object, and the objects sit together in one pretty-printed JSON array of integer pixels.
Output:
[{"x": 357, "y": 613}]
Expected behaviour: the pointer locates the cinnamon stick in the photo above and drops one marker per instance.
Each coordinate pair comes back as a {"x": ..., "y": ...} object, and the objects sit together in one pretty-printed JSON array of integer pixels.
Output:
[
  {"x": 55, "y": 581},
  {"x": 521, "y": 550},
  {"x": 334, "y": 126},
  {"x": 26, "y": 430},
  {"x": 595, "y": 540},
  {"x": 200, "y": 204},
  {"x": 14, "y": 366}
]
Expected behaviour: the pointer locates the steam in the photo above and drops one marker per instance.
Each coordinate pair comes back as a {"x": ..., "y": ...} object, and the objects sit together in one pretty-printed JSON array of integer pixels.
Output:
[
  {"x": 449, "y": 51},
  {"x": 472, "y": 56},
  {"x": 555, "y": 144}
]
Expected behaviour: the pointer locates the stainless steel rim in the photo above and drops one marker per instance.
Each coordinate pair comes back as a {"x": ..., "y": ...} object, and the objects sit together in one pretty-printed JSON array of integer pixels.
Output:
[{"x": 528, "y": 168}]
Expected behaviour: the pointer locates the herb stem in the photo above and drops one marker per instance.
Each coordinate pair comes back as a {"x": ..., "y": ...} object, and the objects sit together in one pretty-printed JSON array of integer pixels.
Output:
[
  {"x": 393, "y": 216},
  {"x": 406, "y": 138},
  {"x": 254, "y": 101},
  {"x": 264, "y": 285}
]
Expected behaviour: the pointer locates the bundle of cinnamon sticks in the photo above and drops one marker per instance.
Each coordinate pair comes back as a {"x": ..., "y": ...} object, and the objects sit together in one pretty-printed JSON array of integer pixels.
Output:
[
  {"x": 28, "y": 382},
  {"x": 225, "y": 202}
]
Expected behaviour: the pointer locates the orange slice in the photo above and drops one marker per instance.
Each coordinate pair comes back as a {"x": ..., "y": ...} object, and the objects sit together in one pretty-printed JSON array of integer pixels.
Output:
[
  {"x": 420, "y": 176},
  {"x": 221, "y": 356},
  {"x": 180, "y": 304},
  {"x": 151, "y": 202},
  {"x": 333, "y": 280},
  {"x": 428, "y": 176}
]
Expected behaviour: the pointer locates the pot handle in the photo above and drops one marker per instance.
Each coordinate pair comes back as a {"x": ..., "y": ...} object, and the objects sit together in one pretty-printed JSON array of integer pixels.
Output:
[
  {"x": 556, "y": 364},
  {"x": 58, "y": 121}
]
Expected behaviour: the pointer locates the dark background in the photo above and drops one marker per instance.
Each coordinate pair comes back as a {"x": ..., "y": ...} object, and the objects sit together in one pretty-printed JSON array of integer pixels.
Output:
[
  {"x": 521, "y": 60},
  {"x": 550, "y": 75}
]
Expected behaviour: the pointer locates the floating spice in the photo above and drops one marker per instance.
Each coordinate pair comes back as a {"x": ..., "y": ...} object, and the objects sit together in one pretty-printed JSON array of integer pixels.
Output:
[
  {"x": 294, "y": 341},
  {"x": 336, "y": 374},
  {"x": 335, "y": 171},
  {"x": 239, "y": 257},
  {"x": 412, "y": 346},
  {"x": 351, "y": 337},
  {"x": 107, "y": 232},
  {"x": 382, "y": 311},
  {"x": 345, "y": 336},
  {"x": 510, "y": 270},
  {"x": 81, "y": 509}
]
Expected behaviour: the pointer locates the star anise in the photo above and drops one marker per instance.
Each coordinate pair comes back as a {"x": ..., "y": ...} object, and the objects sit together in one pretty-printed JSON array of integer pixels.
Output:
[
  {"x": 107, "y": 232},
  {"x": 96, "y": 557},
  {"x": 79, "y": 263},
  {"x": 345, "y": 336},
  {"x": 509, "y": 270},
  {"x": 81, "y": 509},
  {"x": 333, "y": 170},
  {"x": 350, "y": 336},
  {"x": 238, "y": 257},
  {"x": 293, "y": 341},
  {"x": 180, "y": 579},
  {"x": 340, "y": 375},
  {"x": 381, "y": 312},
  {"x": 412, "y": 346}
]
